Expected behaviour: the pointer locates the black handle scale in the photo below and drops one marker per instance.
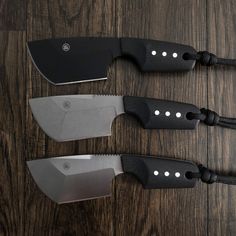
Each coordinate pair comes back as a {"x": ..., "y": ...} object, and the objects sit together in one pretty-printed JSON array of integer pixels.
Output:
[
  {"x": 160, "y": 114},
  {"x": 153, "y": 55},
  {"x": 160, "y": 172}
]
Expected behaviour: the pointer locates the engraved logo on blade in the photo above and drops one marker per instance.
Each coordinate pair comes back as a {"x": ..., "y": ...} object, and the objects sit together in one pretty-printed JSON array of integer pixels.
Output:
[
  {"x": 67, "y": 104},
  {"x": 66, "y": 47},
  {"x": 66, "y": 166}
]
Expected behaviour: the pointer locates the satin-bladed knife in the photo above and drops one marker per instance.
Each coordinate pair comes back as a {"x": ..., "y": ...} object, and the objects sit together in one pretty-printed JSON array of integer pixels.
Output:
[
  {"x": 74, "y": 117},
  {"x": 76, "y": 178}
]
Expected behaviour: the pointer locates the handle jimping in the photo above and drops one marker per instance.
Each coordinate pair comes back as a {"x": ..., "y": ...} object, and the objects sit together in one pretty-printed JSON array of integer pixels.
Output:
[
  {"x": 153, "y": 55},
  {"x": 162, "y": 114},
  {"x": 163, "y": 172}
]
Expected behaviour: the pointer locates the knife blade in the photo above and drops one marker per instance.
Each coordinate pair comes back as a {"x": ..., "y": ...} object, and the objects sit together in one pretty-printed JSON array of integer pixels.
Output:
[
  {"x": 72, "y": 60},
  {"x": 66, "y": 118},
  {"x": 77, "y": 178}
]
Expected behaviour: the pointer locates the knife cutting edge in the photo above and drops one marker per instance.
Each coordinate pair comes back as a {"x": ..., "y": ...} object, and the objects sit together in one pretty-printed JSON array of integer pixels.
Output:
[
  {"x": 74, "y": 117},
  {"x": 83, "y": 177},
  {"x": 72, "y": 60}
]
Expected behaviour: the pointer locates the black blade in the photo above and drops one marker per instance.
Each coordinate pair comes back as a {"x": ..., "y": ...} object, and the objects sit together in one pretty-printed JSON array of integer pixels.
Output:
[{"x": 72, "y": 60}]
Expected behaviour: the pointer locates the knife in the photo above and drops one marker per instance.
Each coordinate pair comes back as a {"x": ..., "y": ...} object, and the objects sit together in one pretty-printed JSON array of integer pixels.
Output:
[
  {"x": 77, "y": 178},
  {"x": 65, "y": 118},
  {"x": 73, "y": 60}
]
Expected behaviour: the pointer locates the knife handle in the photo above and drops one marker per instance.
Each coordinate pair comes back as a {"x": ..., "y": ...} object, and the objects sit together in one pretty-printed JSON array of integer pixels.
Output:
[
  {"x": 160, "y": 172},
  {"x": 153, "y": 55},
  {"x": 161, "y": 114}
]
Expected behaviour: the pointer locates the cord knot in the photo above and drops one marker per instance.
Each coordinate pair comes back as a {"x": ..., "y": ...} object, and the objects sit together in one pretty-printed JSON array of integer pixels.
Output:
[
  {"x": 211, "y": 118},
  {"x": 206, "y": 58},
  {"x": 207, "y": 176}
]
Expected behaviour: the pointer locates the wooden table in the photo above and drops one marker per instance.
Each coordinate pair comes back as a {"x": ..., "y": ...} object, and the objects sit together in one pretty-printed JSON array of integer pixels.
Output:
[{"x": 204, "y": 210}]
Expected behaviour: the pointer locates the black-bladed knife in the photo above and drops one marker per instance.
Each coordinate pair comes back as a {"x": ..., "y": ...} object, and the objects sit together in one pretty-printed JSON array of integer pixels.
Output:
[{"x": 73, "y": 60}]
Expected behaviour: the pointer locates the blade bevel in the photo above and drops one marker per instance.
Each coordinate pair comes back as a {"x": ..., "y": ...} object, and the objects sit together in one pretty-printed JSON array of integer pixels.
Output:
[
  {"x": 66, "y": 118},
  {"x": 75, "y": 178}
]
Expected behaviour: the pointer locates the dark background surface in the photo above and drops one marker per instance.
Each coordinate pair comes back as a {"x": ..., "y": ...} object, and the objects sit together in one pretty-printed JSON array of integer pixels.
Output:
[{"x": 204, "y": 210}]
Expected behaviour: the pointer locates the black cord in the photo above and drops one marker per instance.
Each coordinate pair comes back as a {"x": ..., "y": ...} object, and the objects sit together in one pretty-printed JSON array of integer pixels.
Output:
[
  {"x": 209, "y": 59},
  {"x": 211, "y": 118},
  {"x": 209, "y": 177}
]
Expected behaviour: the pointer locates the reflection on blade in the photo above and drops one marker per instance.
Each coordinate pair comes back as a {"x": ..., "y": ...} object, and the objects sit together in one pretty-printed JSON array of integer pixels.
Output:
[
  {"x": 65, "y": 118},
  {"x": 75, "y": 178}
]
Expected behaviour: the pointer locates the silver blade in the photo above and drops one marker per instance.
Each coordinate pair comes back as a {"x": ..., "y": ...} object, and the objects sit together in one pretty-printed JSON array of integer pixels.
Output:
[
  {"x": 75, "y": 178},
  {"x": 74, "y": 117}
]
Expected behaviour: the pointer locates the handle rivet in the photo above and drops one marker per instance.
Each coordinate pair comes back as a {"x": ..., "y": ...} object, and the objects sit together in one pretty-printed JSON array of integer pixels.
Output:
[
  {"x": 178, "y": 114},
  {"x": 177, "y": 174},
  {"x": 167, "y": 113},
  {"x": 164, "y": 54},
  {"x": 154, "y": 52},
  {"x": 167, "y": 173},
  {"x": 175, "y": 55},
  {"x": 156, "y": 172},
  {"x": 157, "y": 113}
]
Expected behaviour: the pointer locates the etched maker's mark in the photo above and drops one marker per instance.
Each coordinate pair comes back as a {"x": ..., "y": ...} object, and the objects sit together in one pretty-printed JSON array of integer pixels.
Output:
[{"x": 66, "y": 47}]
